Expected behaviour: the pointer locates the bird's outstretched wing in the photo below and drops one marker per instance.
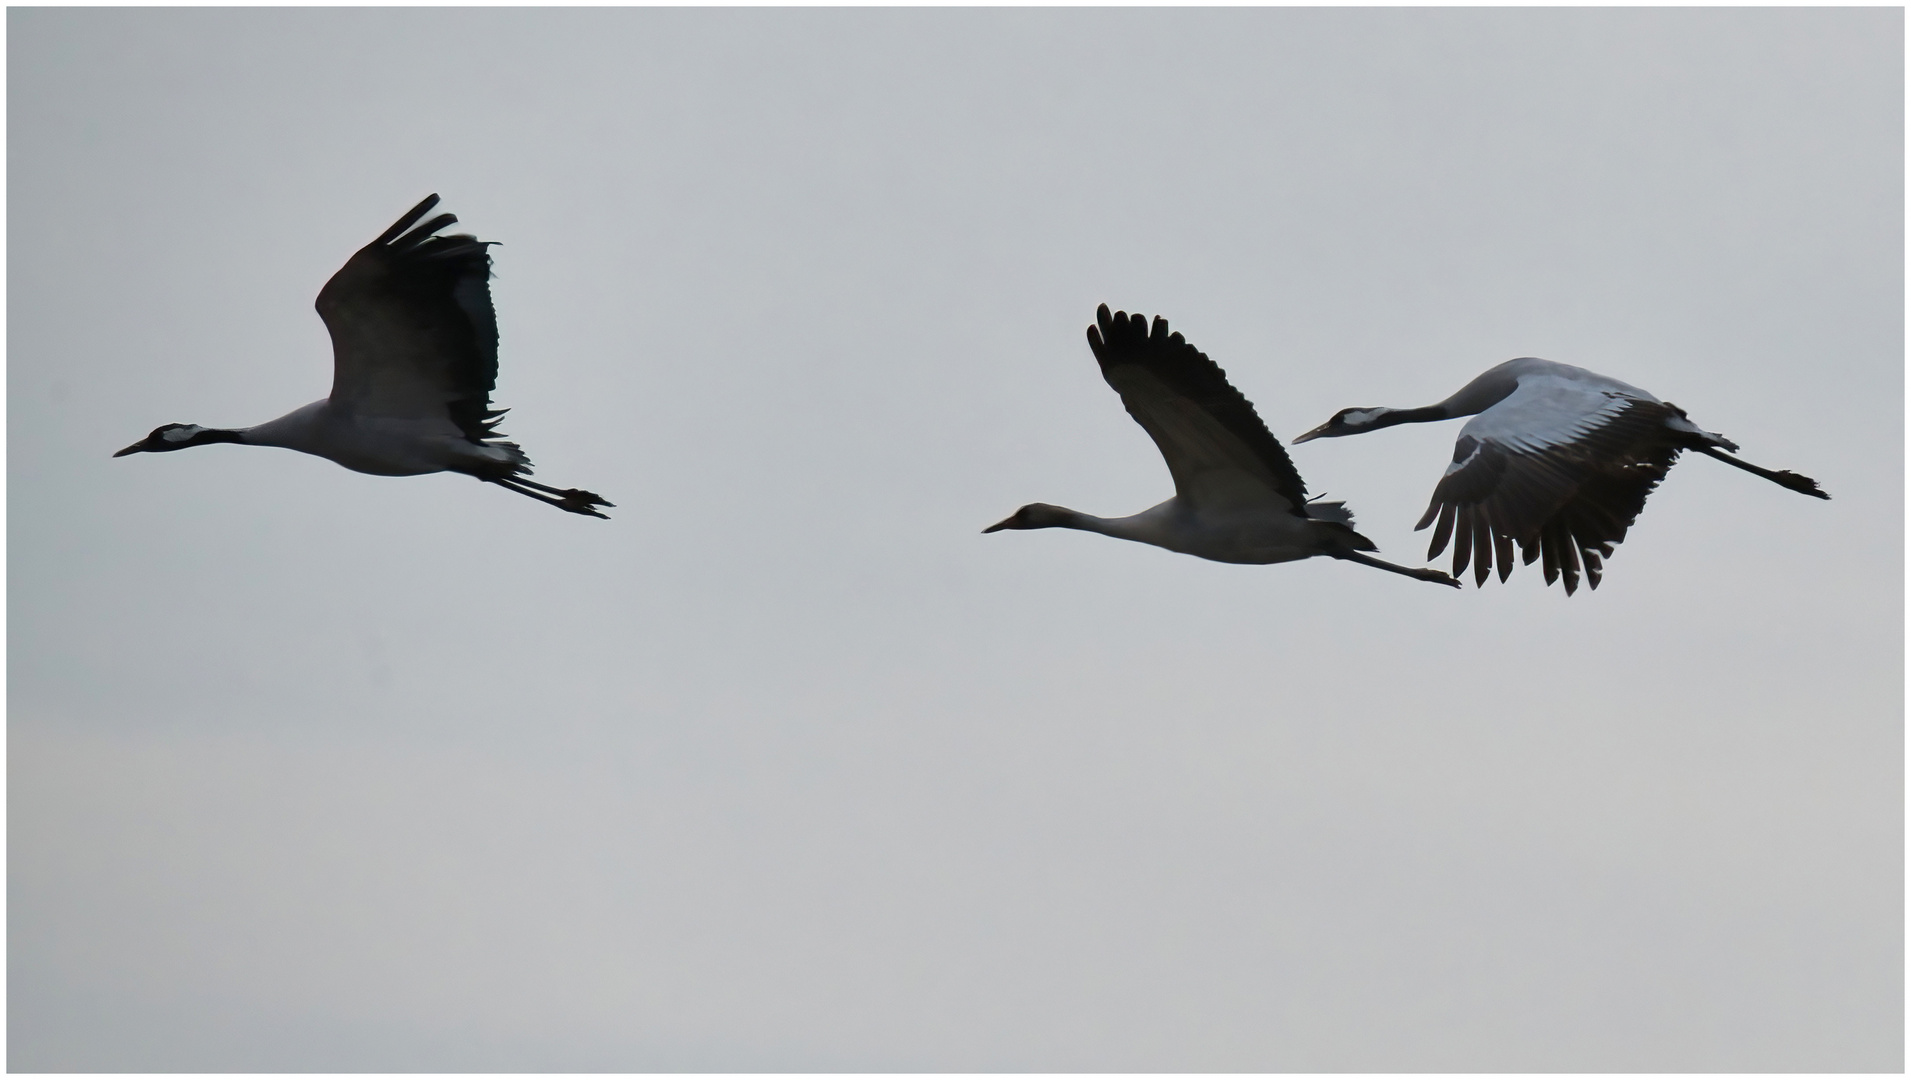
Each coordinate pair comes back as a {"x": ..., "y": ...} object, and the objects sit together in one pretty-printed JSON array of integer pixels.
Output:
[
  {"x": 414, "y": 335},
  {"x": 1562, "y": 470},
  {"x": 1217, "y": 449}
]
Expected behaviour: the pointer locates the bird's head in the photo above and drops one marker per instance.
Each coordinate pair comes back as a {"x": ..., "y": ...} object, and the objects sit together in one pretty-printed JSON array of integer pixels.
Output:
[
  {"x": 1347, "y": 422},
  {"x": 175, "y": 437},
  {"x": 1033, "y": 516}
]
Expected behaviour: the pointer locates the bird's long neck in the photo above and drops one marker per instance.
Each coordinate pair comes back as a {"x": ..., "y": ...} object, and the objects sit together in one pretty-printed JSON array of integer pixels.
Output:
[
  {"x": 1488, "y": 389},
  {"x": 1380, "y": 418},
  {"x": 1151, "y": 526},
  {"x": 1122, "y": 528},
  {"x": 296, "y": 430},
  {"x": 1470, "y": 400},
  {"x": 1475, "y": 397}
]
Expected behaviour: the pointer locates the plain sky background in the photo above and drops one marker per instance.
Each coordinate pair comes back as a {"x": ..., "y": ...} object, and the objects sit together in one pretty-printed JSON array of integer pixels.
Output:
[{"x": 787, "y": 766}]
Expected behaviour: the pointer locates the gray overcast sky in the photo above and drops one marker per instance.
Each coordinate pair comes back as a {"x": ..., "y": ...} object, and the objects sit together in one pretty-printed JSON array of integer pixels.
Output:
[{"x": 786, "y": 766}]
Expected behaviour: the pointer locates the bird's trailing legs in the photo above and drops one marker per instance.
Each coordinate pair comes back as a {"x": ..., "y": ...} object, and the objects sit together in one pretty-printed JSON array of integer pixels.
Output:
[
  {"x": 1804, "y": 485},
  {"x": 572, "y": 499},
  {"x": 1382, "y": 564}
]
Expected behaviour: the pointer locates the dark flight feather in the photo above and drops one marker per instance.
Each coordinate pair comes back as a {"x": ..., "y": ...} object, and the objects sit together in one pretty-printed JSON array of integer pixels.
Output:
[
  {"x": 1120, "y": 340},
  {"x": 412, "y": 310},
  {"x": 1567, "y": 503}
]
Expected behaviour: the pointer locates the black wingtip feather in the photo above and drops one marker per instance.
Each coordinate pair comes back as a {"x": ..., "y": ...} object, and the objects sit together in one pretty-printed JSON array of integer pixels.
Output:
[
  {"x": 1463, "y": 542},
  {"x": 1482, "y": 548},
  {"x": 423, "y": 233},
  {"x": 1443, "y": 532},
  {"x": 1568, "y": 560},
  {"x": 403, "y": 223},
  {"x": 1503, "y": 549}
]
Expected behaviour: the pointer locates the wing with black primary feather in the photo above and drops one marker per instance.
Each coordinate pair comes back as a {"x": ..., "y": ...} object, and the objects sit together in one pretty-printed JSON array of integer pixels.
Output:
[
  {"x": 414, "y": 335},
  {"x": 1565, "y": 502},
  {"x": 1216, "y": 447}
]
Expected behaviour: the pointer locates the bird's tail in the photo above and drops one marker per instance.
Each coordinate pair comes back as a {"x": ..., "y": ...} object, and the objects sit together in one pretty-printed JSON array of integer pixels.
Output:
[
  {"x": 1343, "y": 538},
  {"x": 1336, "y": 512},
  {"x": 1338, "y": 522},
  {"x": 508, "y": 457},
  {"x": 1701, "y": 437}
]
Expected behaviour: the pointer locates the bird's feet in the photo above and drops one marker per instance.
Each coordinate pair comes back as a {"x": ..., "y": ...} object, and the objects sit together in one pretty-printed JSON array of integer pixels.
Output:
[
  {"x": 1804, "y": 485},
  {"x": 579, "y": 501},
  {"x": 574, "y": 500},
  {"x": 1437, "y": 576}
]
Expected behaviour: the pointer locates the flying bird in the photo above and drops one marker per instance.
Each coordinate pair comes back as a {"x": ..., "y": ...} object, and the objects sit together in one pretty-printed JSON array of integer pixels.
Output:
[
  {"x": 414, "y": 360},
  {"x": 1556, "y": 457},
  {"x": 1237, "y": 497}
]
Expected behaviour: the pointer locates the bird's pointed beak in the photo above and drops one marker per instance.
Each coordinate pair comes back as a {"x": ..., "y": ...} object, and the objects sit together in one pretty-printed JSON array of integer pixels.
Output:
[
  {"x": 133, "y": 449},
  {"x": 1314, "y": 434},
  {"x": 1003, "y": 524}
]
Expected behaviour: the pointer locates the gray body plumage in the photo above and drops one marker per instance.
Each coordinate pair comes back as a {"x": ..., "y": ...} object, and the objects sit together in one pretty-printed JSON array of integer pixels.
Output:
[
  {"x": 1238, "y": 498},
  {"x": 1556, "y": 459},
  {"x": 414, "y": 361}
]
